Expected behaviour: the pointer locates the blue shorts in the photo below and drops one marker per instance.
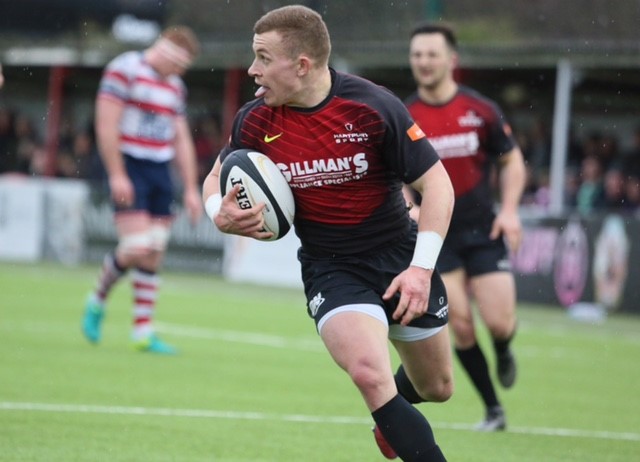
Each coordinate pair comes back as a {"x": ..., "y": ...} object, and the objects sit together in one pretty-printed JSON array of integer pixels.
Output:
[
  {"x": 152, "y": 186},
  {"x": 335, "y": 281},
  {"x": 472, "y": 249}
]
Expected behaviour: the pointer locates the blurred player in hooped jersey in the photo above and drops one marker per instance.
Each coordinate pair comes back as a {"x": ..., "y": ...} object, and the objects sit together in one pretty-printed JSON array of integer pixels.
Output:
[
  {"x": 470, "y": 134},
  {"x": 141, "y": 127}
]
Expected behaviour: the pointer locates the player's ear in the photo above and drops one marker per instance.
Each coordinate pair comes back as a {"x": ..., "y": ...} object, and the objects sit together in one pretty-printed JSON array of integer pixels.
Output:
[
  {"x": 304, "y": 66},
  {"x": 455, "y": 60}
]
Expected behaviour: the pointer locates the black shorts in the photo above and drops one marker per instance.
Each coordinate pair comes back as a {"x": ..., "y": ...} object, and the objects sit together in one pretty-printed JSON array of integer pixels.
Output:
[
  {"x": 472, "y": 249},
  {"x": 336, "y": 281}
]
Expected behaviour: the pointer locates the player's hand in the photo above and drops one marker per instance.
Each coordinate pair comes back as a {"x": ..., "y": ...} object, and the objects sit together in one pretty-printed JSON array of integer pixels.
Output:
[
  {"x": 193, "y": 205},
  {"x": 509, "y": 225},
  {"x": 414, "y": 286},
  {"x": 232, "y": 219},
  {"x": 122, "y": 191}
]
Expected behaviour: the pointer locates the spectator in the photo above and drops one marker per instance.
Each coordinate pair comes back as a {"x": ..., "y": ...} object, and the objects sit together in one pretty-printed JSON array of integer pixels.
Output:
[
  {"x": 590, "y": 191},
  {"x": 537, "y": 148},
  {"x": 631, "y": 158},
  {"x": 207, "y": 139},
  {"x": 27, "y": 141},
  {"x": 608, "y": 151},
  {"x": 8, "y": 142},
  {"x": 613, "y": 190},
  {"x": 88, "y": 165},
  {"x": 632, "y": 194}
]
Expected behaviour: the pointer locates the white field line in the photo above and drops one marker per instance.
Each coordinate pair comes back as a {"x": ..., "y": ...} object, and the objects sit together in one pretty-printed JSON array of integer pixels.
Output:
[
  {"x": 275, "y": 341},
  {"x": 300, "y": 418}
]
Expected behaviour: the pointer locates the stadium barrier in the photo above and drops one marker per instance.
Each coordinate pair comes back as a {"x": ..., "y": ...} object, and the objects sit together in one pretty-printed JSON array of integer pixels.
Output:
[
  {"x": 580, "y": 261},
  {"x": 566, "y": 261}
]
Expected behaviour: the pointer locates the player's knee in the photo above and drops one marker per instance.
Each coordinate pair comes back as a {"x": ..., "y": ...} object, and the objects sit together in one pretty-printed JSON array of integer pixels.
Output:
[
  {"x": 159, "y": 238},
  {"x": 144, "y": 245},
  {"x": 366, "y": 377},
  {"x": 437, "y": 391},
  {"x": 134, "y": 245},
  {"x": 464, "y": 334}
]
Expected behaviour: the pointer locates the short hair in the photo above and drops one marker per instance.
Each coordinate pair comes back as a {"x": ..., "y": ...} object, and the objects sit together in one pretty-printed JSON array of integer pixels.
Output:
[
  {"x": 183, "y": 37},
  {"x": 446, "y": 30},
  {"x": 302, "y": 29}
]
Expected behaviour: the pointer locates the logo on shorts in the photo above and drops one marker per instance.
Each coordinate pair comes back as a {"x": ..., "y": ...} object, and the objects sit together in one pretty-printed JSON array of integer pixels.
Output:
[
  {"x": 442, "y": 312},
  {"x": 315, "y": 303},
  {"x": 504, "y": 265}
]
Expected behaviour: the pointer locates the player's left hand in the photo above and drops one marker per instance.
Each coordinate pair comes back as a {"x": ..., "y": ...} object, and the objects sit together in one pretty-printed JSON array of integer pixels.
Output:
[
  {"x": 509, "y": 225},
  {"x": 193, "y": 205},
  {"x": 414, "y": 286}
]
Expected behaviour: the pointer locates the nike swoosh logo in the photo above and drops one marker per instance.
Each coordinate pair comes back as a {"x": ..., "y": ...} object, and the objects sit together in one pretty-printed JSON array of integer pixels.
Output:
[{"x": 269, "y": 139}]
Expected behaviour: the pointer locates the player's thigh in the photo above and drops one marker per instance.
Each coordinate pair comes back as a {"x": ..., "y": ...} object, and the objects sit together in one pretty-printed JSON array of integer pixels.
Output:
[
  {"x": 133, "y": 227},
  {"x": 353, "y": 338},
  {"x": 461, "y": 320},
  {"x": 427, "y": 363},
  {"x": 358, "y": 344},
  {"x": 495, "y": 294}
]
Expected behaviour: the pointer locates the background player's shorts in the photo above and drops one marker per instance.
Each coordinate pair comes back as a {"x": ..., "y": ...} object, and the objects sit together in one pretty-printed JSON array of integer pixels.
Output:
[
  {"x": 472, "y": 249},
  {"x": 152, "y": 185},
  {"x": 332, "y": 282}
]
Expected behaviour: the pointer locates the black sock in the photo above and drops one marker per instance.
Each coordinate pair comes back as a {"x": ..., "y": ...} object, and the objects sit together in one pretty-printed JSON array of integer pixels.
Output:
[
  {"x": 405, "y": 387},
  {"x": 407, "y": 431},
  {"x": 474, "y": 362},
  {"x": 502, "y": 345}
]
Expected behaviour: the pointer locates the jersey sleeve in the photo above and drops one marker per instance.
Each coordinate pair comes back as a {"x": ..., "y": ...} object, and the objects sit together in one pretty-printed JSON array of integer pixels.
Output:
[
  {"x": 501, "y": 139},
  {"x": 407, "y": 149},
  {"x": 236, "y": 140},
  {"x": 115, "y": 78}
]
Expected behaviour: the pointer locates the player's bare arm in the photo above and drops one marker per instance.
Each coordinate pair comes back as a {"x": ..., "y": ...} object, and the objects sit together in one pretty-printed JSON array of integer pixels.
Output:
[
  {"x": 186, "y": 162},
  {"x": 512, "y": 181},
  {"x": 414, "y": 284},
  {"x": 108, "y": 114}
]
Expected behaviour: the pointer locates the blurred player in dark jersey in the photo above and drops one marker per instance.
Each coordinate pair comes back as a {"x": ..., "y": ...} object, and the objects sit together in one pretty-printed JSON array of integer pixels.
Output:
[
  {"x": 471, "y": 135},
  {"x": 347, "y": 147},
  {"x": 141, "y": 127}
]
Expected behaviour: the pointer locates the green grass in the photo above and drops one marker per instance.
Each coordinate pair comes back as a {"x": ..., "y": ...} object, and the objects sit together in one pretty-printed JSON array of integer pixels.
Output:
[{"x": 253, "y": 382}]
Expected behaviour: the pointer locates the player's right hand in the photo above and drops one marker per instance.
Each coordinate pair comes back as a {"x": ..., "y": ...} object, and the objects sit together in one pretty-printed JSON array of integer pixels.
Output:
[
  {"x": 231, "y": 219},
  {"x": 122, "y": 192}
]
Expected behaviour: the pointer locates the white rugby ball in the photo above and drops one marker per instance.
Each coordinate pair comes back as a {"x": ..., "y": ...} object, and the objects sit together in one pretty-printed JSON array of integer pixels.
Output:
[{"x": 261, "y": 181}]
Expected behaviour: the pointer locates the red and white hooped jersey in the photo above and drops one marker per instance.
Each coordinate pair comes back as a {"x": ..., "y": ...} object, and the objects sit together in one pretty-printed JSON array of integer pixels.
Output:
[{"x": 151, "y": 105}]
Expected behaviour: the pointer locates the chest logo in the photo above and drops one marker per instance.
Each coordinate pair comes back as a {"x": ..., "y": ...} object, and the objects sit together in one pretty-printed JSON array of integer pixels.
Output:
[{"x": 269, "y": 139}]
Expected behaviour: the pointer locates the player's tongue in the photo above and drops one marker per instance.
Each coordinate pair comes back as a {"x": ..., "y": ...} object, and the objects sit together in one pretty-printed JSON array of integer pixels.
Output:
[{"x": 260, "y": 92}]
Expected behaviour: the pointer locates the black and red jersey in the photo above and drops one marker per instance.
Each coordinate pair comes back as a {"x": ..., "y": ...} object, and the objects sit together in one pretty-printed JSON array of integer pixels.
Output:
[
  {"x": 345, "y": 160},
  {"x": 469, "y": 132}
]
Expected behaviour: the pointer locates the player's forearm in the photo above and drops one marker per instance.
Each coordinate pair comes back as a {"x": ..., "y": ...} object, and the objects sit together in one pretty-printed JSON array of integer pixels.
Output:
[
  {"x": 211, "y": 185},
  {"x": 108, "y": 136},
  {"x": 437, "y": 201},
  {"x": 186, "y": 157},
  {"x": 512, "y": 181}
]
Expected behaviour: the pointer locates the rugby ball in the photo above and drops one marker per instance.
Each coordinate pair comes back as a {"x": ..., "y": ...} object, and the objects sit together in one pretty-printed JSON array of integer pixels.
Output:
[{"x": 261, "y": 181}]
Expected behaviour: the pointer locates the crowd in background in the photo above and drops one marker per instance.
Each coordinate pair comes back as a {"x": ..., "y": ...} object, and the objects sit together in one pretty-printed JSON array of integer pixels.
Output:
[
  {"x": 599, "y": 175},
  {"x": 23, "y": 149}
]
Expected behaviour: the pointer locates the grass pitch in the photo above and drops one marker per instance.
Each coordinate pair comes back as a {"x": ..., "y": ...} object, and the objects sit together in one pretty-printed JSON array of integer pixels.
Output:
[{"x": 253, "y": 382}]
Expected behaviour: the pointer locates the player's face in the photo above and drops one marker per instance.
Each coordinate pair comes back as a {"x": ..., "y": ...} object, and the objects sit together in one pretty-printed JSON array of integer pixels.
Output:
[
  {"x": 432, "y": 61},
  {"x": 274, "y": 71}
]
